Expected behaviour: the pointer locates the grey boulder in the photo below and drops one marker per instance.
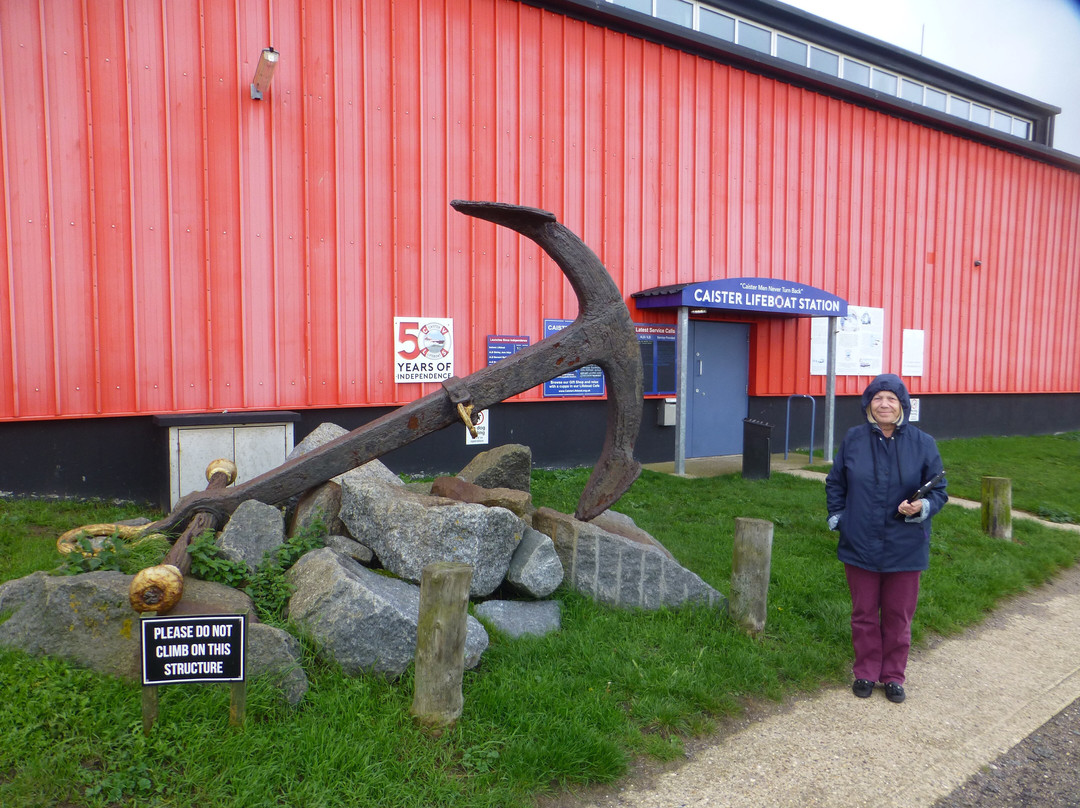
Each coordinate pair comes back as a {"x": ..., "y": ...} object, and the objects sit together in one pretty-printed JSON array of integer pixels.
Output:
[
  {"x": 407, "y": 531},
  {"x": 253, "y": 530},
  {"x": 620, "y": 572},
  {"x": 362, "y": 620},
  {"x": 87, "y": 620},
  {"x": 535, "y": 569},
  {"x": 507, "y": 466},
  {"x": 518, "y": 618}
]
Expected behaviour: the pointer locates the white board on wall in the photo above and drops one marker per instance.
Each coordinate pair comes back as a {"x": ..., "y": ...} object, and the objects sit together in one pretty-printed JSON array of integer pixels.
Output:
[
  {"x": 860, "y": 342},
  {"x": 913, "y": 353}
]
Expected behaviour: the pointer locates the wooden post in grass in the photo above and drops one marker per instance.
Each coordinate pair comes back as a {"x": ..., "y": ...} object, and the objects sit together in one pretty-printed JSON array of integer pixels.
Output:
[
  {"x": 237, "y": 703},
  {"x": 997, "y": 507},
  {"x": 149, "y": 694},
  {"x": 440, "y": 643},
  {"x": 751, "y": 560}
]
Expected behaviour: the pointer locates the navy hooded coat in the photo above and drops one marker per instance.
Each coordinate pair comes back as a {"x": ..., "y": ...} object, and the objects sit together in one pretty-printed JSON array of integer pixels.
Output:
[{"x": 871, "y": 476}]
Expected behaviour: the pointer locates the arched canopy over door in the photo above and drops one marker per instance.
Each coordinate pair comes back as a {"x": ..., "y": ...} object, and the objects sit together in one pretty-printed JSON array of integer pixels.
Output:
[{"x": 764, "y": 296}]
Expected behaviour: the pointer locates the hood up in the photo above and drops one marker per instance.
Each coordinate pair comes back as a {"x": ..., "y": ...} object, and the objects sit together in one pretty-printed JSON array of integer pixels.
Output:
[{"x": 892, "y": 383}]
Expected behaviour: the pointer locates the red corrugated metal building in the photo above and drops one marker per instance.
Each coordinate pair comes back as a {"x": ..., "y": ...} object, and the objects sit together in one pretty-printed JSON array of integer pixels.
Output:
[{"x": 173, "y": 247}]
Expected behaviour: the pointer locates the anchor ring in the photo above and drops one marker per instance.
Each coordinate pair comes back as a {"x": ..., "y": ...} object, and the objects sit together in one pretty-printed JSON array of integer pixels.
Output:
[{"x": 69, "y": 541}]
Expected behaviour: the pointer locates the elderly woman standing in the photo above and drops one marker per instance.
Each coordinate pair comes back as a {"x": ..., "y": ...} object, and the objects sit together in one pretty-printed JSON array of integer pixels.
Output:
[{"x": 884, "y": 538}]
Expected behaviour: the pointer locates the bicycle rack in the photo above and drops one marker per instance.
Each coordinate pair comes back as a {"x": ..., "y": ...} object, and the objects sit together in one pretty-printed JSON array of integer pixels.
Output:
[{"x": 813, "y": 418}]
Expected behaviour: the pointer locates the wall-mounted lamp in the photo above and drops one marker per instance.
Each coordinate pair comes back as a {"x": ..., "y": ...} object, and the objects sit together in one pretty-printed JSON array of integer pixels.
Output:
[
  {"x": 268, "y": 60},
  {"x": 978, "y": 263}
]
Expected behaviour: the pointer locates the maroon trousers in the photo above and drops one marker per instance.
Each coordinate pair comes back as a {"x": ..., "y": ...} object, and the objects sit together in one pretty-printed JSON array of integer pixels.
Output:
[{"x": 882, "y": 605}]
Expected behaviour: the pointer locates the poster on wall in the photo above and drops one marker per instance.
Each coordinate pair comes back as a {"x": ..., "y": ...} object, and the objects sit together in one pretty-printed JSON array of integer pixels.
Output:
[
  {"x": 859, "y": 342},
  {"x": 911, "y": 358},
  {"x": 585, "y": 381},
  {"x": 423, "y": 349}
]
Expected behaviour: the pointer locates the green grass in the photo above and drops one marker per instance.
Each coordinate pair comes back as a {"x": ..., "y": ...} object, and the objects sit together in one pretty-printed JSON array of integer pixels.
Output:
[
  {"x": 1044, "y": 469},
  {"x": 29, "y": 529},
  {"x": 541, "y": 714}
]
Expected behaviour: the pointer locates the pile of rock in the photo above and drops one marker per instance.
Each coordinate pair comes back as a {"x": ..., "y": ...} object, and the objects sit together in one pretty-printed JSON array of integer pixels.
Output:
[
  {"x": 88, "y": 620},
  {"x": 358, "y": 597}
]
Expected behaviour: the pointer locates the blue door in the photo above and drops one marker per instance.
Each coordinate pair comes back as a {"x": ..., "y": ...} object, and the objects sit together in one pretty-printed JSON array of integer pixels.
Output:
[{"x": 718, "y": 376}]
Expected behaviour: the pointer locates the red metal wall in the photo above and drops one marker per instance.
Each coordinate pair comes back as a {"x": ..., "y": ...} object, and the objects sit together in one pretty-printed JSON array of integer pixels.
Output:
[{"x": 170, "y": 245}]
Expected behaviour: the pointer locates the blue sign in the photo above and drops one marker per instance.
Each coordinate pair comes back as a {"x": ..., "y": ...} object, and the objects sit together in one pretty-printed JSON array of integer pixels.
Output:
[
  {"x": 585, "y": 381},
  {"x": 764, "y": 295},
  {"x": 501, "y": 346}
]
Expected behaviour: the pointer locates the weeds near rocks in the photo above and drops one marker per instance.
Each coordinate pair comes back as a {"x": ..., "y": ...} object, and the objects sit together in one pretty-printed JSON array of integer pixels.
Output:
[
  {"x": 267, "y": 586},
  {"x": 210, "y": 564}
]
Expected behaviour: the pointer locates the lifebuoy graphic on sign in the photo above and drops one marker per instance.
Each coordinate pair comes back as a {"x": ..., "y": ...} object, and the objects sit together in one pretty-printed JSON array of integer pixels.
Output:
[
  {"x": 423, "y": 349},
  {"x": 435, "y": 339}
]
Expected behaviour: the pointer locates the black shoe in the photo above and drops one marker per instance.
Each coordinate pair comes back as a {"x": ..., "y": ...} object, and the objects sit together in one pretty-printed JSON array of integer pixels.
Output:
[
  {"x": 894, "y": 692},
  {"x": 862, "y": 688}
]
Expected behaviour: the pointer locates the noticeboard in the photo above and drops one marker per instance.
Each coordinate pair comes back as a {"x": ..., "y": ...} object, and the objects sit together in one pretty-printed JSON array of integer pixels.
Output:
[
  {"x": 198, "y": 648},
  {"x": 585, "y": 381},
  {"x": 501, "y": 346}
]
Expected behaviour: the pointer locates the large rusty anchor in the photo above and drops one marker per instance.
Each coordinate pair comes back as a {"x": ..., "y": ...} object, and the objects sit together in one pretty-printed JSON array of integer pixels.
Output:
[{"x": 602, "y": 334}]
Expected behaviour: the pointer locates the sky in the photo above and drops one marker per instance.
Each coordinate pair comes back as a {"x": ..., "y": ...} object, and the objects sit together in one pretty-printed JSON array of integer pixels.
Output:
[{"x": 1031, "y": 47}]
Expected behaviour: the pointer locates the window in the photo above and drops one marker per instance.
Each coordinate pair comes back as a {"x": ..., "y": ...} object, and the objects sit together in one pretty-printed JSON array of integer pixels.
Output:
[
  {"x": 754, "y": 37},
  {"x": 959, "y": 107},
  {"x": 716, "y": 24},
  {"x": 791, "y": 49},
  {"x": 824, "y": 61},
  {"x": 884, "y": 81},
  {"x": 698, "y": 15},
  {"x": 676, "y": 11},
  {"x": 658, "y": 361},
  {"x": 1002, "y": 122},
  {"x": 911, "y": 91},
  {"x": 856, "y": 72},
  {"x": 935, "y": 99}
]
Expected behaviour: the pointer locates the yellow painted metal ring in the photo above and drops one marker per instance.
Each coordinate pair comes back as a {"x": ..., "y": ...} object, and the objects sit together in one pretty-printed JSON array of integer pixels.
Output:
[
  {"x": 222, "y": 464},
  {"x": 69, "y": 542}
]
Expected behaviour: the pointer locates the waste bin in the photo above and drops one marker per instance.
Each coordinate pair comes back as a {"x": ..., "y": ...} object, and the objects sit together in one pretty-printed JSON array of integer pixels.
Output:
[{"x": 756, "y": 452}]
